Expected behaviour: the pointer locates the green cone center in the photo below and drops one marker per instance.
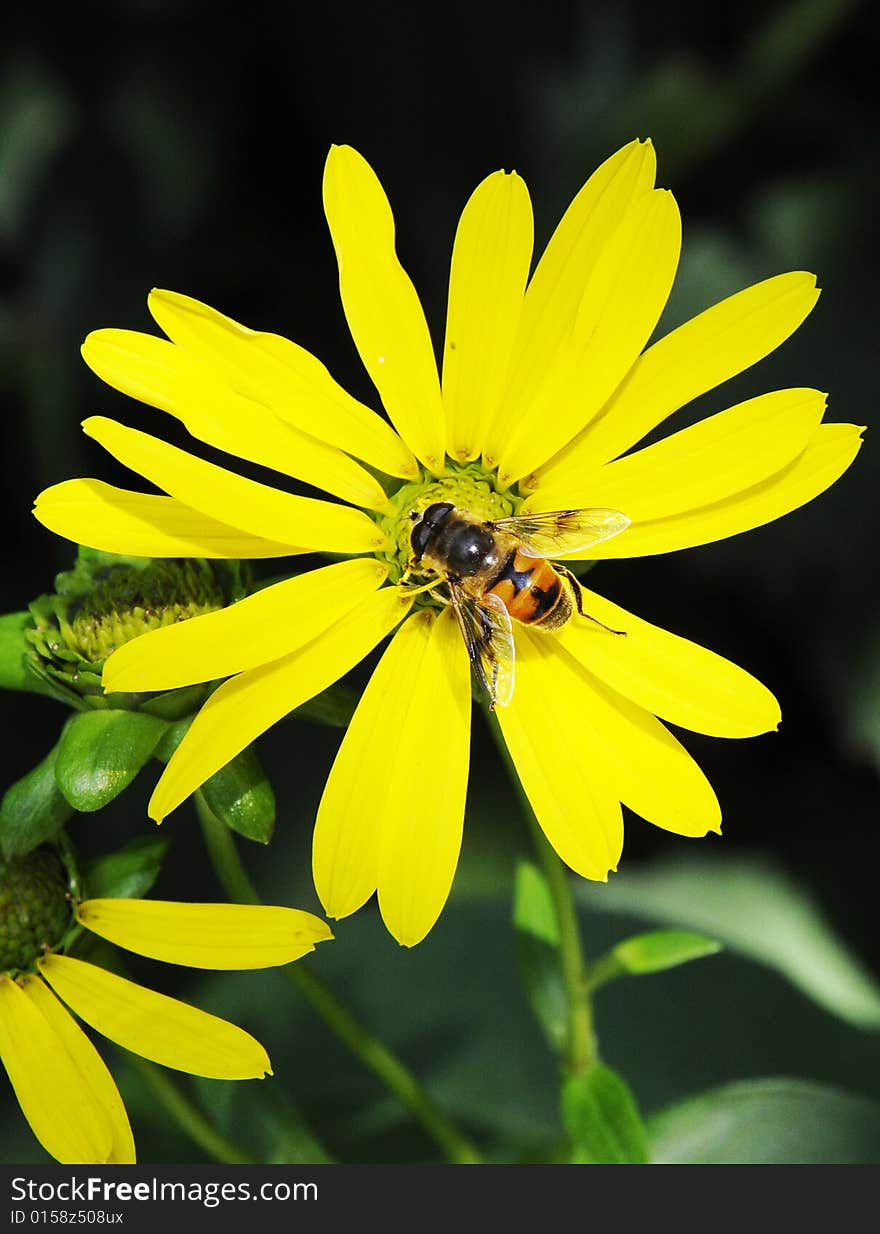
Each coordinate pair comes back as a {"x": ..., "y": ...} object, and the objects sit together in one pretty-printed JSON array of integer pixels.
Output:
[
  {"x": 468, "y": 487},
  {"x": 35, "y": 909}
]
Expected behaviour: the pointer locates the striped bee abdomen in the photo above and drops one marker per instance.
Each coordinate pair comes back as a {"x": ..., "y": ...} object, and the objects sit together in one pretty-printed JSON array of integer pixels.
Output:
[{"x": 532, "y": 592}]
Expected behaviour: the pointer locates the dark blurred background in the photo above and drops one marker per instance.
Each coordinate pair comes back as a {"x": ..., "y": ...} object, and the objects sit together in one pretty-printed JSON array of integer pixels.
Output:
[{"x": 182, "y": 144}]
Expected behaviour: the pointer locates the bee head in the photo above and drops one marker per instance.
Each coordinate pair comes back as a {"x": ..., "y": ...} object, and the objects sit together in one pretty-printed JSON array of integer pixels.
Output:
[{"x": 426, "y": 526}]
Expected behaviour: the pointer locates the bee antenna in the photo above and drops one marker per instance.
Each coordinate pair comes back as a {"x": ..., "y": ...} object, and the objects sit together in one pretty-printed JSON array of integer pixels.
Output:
[{"x": 414, "y": 516}]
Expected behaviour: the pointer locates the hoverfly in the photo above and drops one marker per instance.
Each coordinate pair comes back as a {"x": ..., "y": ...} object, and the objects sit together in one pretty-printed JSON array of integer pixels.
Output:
[{"x": 500, "y": 570}]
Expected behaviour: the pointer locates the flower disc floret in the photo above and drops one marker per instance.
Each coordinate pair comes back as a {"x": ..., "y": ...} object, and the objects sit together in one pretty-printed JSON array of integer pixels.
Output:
[{"x": 35, "y": 908}]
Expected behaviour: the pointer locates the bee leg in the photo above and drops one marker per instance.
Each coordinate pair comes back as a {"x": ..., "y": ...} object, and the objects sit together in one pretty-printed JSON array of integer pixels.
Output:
[
  {"x": 579, "y": 600},
  {"x": 417, "y": 591}
]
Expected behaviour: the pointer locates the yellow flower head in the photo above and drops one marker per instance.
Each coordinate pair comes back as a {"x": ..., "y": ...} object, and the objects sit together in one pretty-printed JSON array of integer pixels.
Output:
[
  {"x": 545, "y": 387},
  {"x": 63, "y": 1087}
]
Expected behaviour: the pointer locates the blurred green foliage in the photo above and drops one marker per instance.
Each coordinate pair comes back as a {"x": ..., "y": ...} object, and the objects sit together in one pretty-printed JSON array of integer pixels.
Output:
[{"x": 150, "y": 143}]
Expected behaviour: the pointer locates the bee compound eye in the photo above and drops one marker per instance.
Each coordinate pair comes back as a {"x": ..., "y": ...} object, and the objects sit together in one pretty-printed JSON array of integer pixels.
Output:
[
  {"x": 419, "y": 538},
  {"x": 438, "y": 513}
]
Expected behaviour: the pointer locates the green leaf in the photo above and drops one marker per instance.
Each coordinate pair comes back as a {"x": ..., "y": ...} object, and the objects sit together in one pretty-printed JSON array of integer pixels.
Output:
[
  {"x": 768, "y": 1122},
  {"x": 334, "y": 706},
  {"x": 533, "y": 909},
  {"x": 650, "y": 953},
  {"x": 14, "y": 674},
  {"x": 241, "y": 797},
  {"x": 265, "y": 1119},
  {"x": 101, "y": 752},
  {"x": 756, "y": 910},
  {"x": 537, "y": 954},
  {"x": 602, "y": 1119},
  {"x": 130, "y": 872},
  {"x": 33, "y": 809}
]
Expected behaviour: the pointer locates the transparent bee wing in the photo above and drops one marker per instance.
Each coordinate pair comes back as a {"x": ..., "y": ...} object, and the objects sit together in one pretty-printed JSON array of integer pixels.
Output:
[
  {"x": 488, "y": 636},
  {"x": 562, "y": 531}
]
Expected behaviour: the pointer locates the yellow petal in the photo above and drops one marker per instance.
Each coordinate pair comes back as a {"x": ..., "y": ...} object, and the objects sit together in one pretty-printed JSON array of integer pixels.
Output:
[
  {"x": 705, "y": 463},
  {"x": 556, "y": 288},
  {"x": 419, "y": 847},
  {"x": 243, "y": 708},
  {"x": 216, "y": 936},
  {"x": 91, "y": 1067},
  {"x": 289, "y": 380},
  {"x": 255, "y": 507},
  {"x": 262, "y": 627},
  {"x": 116, "y": 520},
  {"x": 651, "y": 772},
  {"x": 381, "y": 305},
  {"x": 490, "y": 265},
  {"x": 621, "y": 304},
  {"x": 55, "y": 1097},
  {"x": 174, "y": 380},
  {"x": 154, "y": 1026},
  {"x": 701, "y": 354},
  {"x": 372, "y": 831},
  {"x": 831, "y": 450},
  {"x": 567, "y": 785},
  {"x": 667, "y": 675}
]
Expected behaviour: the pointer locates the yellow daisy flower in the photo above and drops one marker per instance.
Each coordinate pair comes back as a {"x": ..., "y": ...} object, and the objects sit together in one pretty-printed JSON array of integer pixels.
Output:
[
  {"x": 63, "y": 1087},
  {"x": 546, "y": 384}
]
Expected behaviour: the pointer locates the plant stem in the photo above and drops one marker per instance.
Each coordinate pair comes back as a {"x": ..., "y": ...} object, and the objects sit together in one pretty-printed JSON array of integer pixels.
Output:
[
  {"x": 189, "y": 1117},
  {"x": 580, "y": 1052},
  {"x": 580, "y": 1048},
  {"x": 375, "y": 1056}
]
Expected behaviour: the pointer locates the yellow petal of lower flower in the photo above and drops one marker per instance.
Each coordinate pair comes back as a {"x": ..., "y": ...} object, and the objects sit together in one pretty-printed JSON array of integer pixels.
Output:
[
  {"x": 419, "y": 849},
  {"x": 244, "y": 707},
  {"x": 490, "y": 265},
  {"x": 705, "y": 463},
  {"x": 288, "y": 379},
  {"x": 156, "y": 1027},
  {"x": 55, "y": 1097},
  {"x": 216, "y": 936},
  {"x": 621, "y": 305},
  {"x": 262, "y": 627},
  {"x": 116, "y": 520},
  {"x": 651, "y": 772},
  {"x": 174, "y": 380},
  {"x": 216, "y": 492},
  {"x": 563, "y": 778},
  {"x": 556, "y": 287},
  {"x": 91, "y": 1067},
  {"x": 701, "y": 354},
  {"x": 381, "y": 305},
  {"x": 668, "y": 675},
  {"x": 371, "y": 832},
  {"x": 831, "y": 450}
]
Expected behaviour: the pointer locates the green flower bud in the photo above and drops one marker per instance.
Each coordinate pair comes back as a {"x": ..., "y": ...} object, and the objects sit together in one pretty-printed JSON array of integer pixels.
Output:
[
  {"x": 35, "y": 907},
  {"x": 105, "y": 601},
  {"x": 59, "y": 646}
]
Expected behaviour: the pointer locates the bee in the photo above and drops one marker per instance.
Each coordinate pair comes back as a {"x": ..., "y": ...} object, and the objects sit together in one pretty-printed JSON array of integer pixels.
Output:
[{"x": 500, "y": 570}]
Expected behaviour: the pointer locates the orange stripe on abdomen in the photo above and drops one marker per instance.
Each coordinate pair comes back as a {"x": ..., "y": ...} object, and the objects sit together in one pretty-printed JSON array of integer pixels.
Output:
[{"x": 529, "y": 589}]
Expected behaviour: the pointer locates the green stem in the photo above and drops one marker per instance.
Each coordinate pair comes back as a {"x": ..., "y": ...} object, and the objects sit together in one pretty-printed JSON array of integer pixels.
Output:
[
  {"x": 368, "y": 1049},
  {"x": 580, "y": 1053},
  {"x": 189, "y": 1117},
  {"x": 580, "y": 1048}
]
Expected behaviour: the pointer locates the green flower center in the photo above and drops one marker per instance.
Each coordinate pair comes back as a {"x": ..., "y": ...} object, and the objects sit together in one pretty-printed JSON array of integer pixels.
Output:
[
  {"x": 131, "y": 602},
  {"x": 466, "y": 485},
  {"x": 35, "y": 907}
]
